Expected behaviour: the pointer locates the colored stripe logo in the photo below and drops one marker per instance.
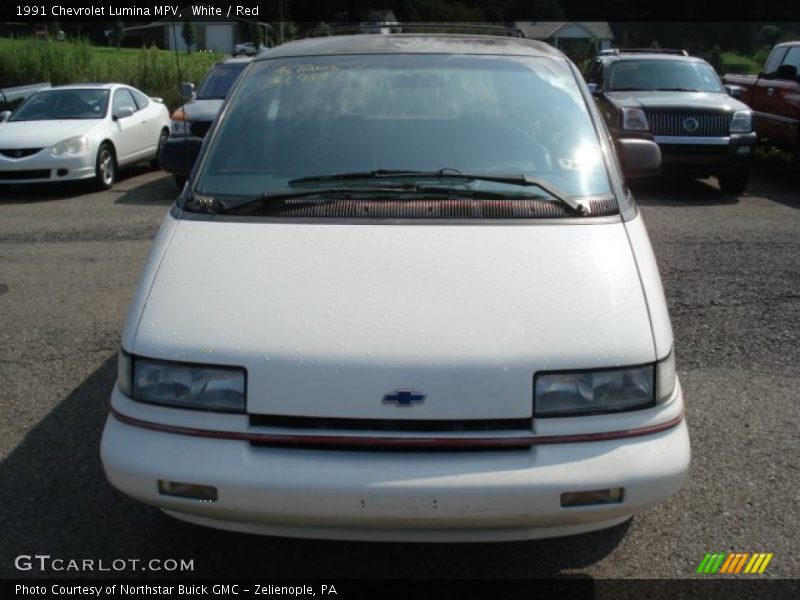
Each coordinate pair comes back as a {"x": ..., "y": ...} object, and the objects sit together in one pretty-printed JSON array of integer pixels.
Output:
[{"x": 734, "y": 562}]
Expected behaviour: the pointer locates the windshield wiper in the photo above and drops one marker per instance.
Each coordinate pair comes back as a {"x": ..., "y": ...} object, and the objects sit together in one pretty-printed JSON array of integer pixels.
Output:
[
  {"x": 450, "y": 174},
  {"x": 207, "y": 203}
]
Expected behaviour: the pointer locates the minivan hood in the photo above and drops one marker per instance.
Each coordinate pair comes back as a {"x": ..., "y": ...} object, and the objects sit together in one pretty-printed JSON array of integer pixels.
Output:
[
  {"x": 328, "y": 318},
  {"x": 708, "y": 101}
]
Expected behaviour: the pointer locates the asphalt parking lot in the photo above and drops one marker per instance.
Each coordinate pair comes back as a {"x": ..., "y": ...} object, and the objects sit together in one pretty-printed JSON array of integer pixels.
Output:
[{"x": 69, "y": 260}]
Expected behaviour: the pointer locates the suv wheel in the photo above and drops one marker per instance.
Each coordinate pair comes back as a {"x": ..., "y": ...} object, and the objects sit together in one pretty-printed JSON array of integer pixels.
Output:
[{"x": 733, "y": 183}]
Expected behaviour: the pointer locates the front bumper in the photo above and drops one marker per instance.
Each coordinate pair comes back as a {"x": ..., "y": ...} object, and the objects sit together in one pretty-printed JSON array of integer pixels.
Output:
[
  {"x": 702, "y": 155},
  {"x": 396, "y": 495},
  {"x": 43, "y": 167},
  {"x": 178, "y": 154}
]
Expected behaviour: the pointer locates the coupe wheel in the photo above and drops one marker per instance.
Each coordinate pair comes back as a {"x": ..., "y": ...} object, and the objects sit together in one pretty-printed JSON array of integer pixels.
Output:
[
  {"x": 162, "y": 139},
  {"x": 106, "y": 167},
  {"x": 733, "y": 183}
]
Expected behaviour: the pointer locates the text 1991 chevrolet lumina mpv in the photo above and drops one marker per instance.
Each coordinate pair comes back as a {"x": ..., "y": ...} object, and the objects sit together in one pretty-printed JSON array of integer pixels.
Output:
[{"x": 405, "y": 295}]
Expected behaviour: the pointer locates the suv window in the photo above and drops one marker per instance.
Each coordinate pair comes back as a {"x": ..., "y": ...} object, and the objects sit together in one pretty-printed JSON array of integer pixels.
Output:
[
  {"x": 122, "y": 99},
  {"x": 657, "y": 74},
  {"x": 219, "y": 81},
  {"x": 323, "y": 115},
  {"x": 793, "y": 57}
]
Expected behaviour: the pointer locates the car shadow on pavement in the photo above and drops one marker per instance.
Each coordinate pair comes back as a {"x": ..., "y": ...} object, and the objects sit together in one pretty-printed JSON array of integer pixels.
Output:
[
  {"x": 779, "y": 184},
  {"x": 161, "y": 190},
  {"x": 56, "y": 501},
  {"x": 669, "y": 191}
]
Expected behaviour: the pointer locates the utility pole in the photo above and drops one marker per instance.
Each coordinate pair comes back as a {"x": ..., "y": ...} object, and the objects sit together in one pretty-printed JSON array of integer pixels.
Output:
[{"x": 281, "y": 18}]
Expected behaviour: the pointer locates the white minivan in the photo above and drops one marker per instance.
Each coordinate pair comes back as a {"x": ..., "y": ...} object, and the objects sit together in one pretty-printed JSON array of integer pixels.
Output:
[{"x": 405, "y": 295}]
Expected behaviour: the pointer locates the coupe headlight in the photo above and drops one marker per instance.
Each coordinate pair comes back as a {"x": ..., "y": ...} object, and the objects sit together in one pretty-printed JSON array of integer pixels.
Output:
[
  {"x": 634, "y": 119},
  {"x": 742, "y": 121},
  {"x": 73, "y": 145},
  {"x": 178, "y": 128},
  {"x": 182, "y": 385}
]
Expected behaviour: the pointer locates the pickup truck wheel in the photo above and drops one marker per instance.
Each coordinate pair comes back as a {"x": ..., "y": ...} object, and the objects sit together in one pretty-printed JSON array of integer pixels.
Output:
[{"x": 733, "y": 183}]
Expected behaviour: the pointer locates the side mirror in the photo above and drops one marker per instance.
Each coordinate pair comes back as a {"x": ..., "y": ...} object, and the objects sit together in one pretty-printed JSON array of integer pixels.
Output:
[
  {"x": 593, "y": 89},
  {"x": 123, "y": 113},
  {"x": 640, "y": 158},
  {"x": 734, "y": 91},
  {"x": 187, "y": 90},
  {"x": 4, "y": 116},
  {"x": 786, "y": 72}
]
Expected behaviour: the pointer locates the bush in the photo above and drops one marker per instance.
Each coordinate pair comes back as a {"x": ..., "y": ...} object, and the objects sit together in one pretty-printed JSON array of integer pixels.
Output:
[{"x": 152, "y": 70}]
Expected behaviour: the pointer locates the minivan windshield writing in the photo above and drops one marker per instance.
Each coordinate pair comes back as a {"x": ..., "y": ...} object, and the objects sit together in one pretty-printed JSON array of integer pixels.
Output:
[{"x": 313, "y": 117}]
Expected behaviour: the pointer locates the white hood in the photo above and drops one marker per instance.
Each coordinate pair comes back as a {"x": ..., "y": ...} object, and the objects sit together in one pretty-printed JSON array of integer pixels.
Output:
[
  {"x": 327, "y": 318},
  {"x": 41, "y": 134}
]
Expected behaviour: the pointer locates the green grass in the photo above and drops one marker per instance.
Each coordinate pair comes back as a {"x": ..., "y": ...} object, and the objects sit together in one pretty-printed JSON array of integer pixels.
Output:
[
  {"x": 154, "y": 71},
  {"x": 736, "y": 63}
]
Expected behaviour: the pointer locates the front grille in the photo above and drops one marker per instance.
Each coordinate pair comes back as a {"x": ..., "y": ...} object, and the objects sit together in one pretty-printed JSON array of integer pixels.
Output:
[
  {"x": 29, "y": 174},
  {"x": 405, "y": 425},
  {"x": 19, "y": 152},
  {"x": 673, "y": 123},
  {"x": 199, "y": 128}
]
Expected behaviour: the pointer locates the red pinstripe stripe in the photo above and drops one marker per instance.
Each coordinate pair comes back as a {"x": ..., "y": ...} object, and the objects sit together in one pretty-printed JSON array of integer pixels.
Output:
[{"x": 442, "y": 442}]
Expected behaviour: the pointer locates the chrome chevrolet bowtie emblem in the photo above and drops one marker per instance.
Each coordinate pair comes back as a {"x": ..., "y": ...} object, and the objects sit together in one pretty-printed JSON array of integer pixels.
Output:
[
  {"x": 690, "y": 124},
  {"x": 404, "y": 398}
]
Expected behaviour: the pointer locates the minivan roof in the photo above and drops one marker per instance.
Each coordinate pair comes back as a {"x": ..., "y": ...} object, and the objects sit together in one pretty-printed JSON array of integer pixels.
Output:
[{"x": 401, "y": 43}]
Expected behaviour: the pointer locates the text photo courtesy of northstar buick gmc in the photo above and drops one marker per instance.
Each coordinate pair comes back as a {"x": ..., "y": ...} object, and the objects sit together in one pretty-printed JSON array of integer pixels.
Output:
[{"x": 405, "y": 295}]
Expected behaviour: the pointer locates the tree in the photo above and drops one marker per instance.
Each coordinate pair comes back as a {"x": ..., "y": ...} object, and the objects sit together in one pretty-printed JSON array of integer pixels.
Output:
[
  {"x": 118, "y": 32},
  {"x": 189, "y": 34}
]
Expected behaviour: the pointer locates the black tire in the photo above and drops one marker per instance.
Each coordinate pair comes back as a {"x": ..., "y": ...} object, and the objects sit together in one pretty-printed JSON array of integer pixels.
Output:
[
  {"x": 105, "y": 167},
  {"x": 162, "y": 138},
  {"x": 180, "y": 180},
  {"x": 733, "y": 183}
]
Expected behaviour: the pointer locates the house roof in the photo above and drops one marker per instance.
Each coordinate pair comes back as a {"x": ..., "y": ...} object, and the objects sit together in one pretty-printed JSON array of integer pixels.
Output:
[
  {"x": 544, "y": 30},
  {"x": 382, "y": 15}
]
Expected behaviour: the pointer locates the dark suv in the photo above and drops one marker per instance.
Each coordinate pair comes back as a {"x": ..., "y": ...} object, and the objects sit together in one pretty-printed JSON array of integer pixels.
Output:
[
  {"x": 192, "y": 120},
  {"x": 679, "y": 102}
]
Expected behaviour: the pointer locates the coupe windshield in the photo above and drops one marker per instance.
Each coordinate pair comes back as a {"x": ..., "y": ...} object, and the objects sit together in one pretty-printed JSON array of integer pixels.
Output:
[
  {"x": 63, "y": 104},
  {"x": 677, "y": 75},
  {"x": 219, "y": 81},
  {"x": 492, "y": 115}
]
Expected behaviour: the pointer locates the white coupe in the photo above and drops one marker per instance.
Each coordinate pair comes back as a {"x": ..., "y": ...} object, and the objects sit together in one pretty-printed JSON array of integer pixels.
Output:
[{"x": 85, "y": 131}]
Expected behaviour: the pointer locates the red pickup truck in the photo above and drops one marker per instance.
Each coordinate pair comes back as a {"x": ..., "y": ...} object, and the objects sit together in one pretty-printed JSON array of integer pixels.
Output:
[{"x": 774, "y": 96}]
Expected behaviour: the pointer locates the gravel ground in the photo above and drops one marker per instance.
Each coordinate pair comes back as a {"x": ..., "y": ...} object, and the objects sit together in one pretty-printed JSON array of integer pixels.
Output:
[{"x": 69, "y": 260}]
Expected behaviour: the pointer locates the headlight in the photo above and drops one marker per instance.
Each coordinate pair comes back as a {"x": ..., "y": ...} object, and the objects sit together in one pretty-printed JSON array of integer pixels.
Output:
[
  {"x": 184, "y": 385},
  {"x": 742, "y": 122},
  {"x": 634, "y": 119},
  {"x": 179, "y": 128},
  {"x": 592, "y": 392},
  {"x": 73, "y": 145}
]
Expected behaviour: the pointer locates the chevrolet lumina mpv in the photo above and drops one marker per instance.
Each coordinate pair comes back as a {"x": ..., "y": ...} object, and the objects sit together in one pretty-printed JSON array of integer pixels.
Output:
[{"x": 405, "y": 295}]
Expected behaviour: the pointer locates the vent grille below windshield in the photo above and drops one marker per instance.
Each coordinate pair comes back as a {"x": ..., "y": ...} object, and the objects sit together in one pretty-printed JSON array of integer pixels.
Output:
[{"x": 437, "y": 209}]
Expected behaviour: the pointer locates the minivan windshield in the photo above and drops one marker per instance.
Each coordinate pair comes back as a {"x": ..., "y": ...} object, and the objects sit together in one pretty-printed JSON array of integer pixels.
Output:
[
  {"x": 665, "y": 75},
  {"x": 219, "y": 81},
  {"x": 312, "y": 117}
]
